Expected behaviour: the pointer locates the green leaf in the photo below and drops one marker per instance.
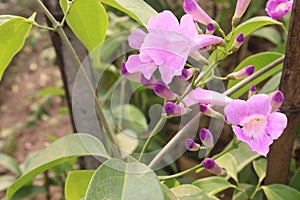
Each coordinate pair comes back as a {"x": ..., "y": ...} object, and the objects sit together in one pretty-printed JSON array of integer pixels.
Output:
[
  {"x": 53, "y": 91},
  {"x": 259, "y": 60},
  {"x": 228, "y": 162},
  {"x": 251, "y": 25},
  {"x": 127, "y": 142},
  {"x": 77, "y": 184},
  {"x": 115, "y": 179},
  {"x": 10, "y": 163},
  {"x": 29, "y": 191},
  {"x": 65, "y": 148},
  {"x": 213, "y": 185},
  {"x": 260, "y": 167},
  {"x": 13, "y": 31},
  {"x": 139, "y": 10},
  {"x": 132, "y": 118},
  {"x": 272, "y": 84},
  {"x": 189, "y": 192},
  {"x": 296, "y": 180},
  {"x": 247, "y": 191},
  {"x": 171, "y": 182},
  {"x": 168, "y": 194},
  {"x": 268, "y": 33},
  {"x": 88, "y": 20},
  {"x": 281, "y": 192}
]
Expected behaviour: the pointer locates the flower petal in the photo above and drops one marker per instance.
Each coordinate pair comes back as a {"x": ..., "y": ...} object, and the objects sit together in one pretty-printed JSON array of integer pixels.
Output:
[
  {"x": 240, "y": 134},
  {"x": 259, "y": 104},
  {"x": 204, "y": 40},
  {"x": 261, "y": 145},
  {"x": 164, "y": 20},
  {"x": 136, "y": 38},
  {"x": 134, "y": 65},
  {"x": 277, "y": 122},
  {"x": 236, "y": 111},
  {"x": 187, "y": 26}
]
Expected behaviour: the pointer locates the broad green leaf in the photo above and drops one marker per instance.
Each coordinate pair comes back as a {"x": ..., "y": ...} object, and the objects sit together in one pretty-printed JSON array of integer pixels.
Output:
[
  {"x": 168, "y": 194},
  {"x": 246, "y": 192},
  {"x": 10, "y": 163},
  {"x": 13, "y": 31},
  {"x": 6, "y": 181},
  {"x": 228, "y": 162},
  {"x": 132, "y": 118},
  {"x": 259, "y": 60},
  {"x": 213, "y": 185},
  {"x": 65, "y": 148},
  {"x": 189, "y": 192},
  {"x": 139, "y": 10},
  {"x": 296, "y": 180},
  {"x": 88, "y": 20},
  {"x": 281, "y": 192},
  {"x": 251, "y": 25},
  {"x": 260, "y": 167},
  {"x": 115, "y": 179},
  {"x": 268, "y": 33},
  {"x": 127, "y": 142},
  {"x": 77, "y": 183},
  {"x": 272, "y": 84},
  {"x": 243, "y": 155}
]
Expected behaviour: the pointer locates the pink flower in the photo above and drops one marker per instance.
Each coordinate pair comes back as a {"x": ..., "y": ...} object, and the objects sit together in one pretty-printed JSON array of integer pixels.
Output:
[
  {"x": 210, "y": 165},
  {"x": 278, "y": 8},
  {"x": 191, "y": 145},
  {"x": 202, "y": 96},
  {"x": 166, "y": 46},
  {"x": 254, "y": 123},
  {"x": 191, "y": 7},
  {"x": 171, "y": 108},
  {"x": 243, "y": 73},
  {"x": 206, "y": 137}
]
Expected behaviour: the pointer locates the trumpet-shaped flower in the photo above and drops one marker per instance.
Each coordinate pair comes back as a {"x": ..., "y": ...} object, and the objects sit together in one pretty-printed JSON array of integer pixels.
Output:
[
  {"x": 202, "y": 96},
  {"x": 278, "y": 8},
  {"x": 254, "y": 122},
  {"x": 210, "y": 165},
  {"x": 240, "y": 9},
  {"x": 191, "y": 7},
  {"x": 166, "y": 46}
]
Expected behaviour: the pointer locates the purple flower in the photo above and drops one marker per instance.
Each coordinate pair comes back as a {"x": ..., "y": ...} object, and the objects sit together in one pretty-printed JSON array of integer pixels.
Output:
[
  {"x": 199, "y": 95},
  {"x": 278, "y": 8},
  {"x": 240, "y": 9},
  {"x": 166, "y": 46},
  {"x": 191, "y": 145},
  {"x": 211, "y": 166},
  {"x": 186, "y": 74},
  {"x": 191, "y": 7},
  {"x": 171, "y": 108},
  {"x": 163, "y": 91},
  {"x": 206, "y": 137},
  {"x": 276, "y": 100},
  {"x": 243, "y": 73},
  {"x": 254, "y": 123},
  {"x": 210, "y": 28},
  {"x": 130, "y": 76}
]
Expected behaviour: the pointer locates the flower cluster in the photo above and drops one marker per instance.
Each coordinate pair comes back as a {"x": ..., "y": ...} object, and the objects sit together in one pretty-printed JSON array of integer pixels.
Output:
[{"x": 206, "y": 138}]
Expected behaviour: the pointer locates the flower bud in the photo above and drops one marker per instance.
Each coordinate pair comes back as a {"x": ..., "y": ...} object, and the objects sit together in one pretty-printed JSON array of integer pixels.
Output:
[
  {"x": 240, "y": 9},
  {"x": 243, "y": 73},
  {"x": 239, "y": 40},
  {"x": 163, "y": 91},
  {"x": 208, "y": 111},
  {"x": 252, "y": 91},
  {"x": 191, "y": 145},
  {"x": 276, "y": 100},
  {"x": 186, "y": 74},
  {"x": 171, "y": 108},
  {"x": 191, "y": 7},
  {"x": 147, "y": 83},
  {"x": 211, "y": 166},
  {"x": 210, "y": 28},
  {"x": 206, "y": 138}
]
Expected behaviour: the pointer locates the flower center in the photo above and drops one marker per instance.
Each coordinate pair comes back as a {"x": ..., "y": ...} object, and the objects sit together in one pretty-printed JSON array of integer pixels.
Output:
[
  {"x": 254, "y": 126},
  {"x": 281, "y": 6}
]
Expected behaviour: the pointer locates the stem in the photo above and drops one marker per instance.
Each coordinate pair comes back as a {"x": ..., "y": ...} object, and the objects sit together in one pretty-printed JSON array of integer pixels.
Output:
[
  {"x": 234, "y": 145},
  {"x": 77, "y": 62},
  {"x": 43, "y": 27},
  {"x": 153, "y": 132},
  {"x": 253, "y": 76},
  {"x": 69, "y": 6}
]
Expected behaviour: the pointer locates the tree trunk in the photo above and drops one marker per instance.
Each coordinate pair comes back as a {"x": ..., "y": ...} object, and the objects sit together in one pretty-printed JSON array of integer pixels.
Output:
[
  {"x": 280, "y": 154},
  {"x": 80, "y": 104}
]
